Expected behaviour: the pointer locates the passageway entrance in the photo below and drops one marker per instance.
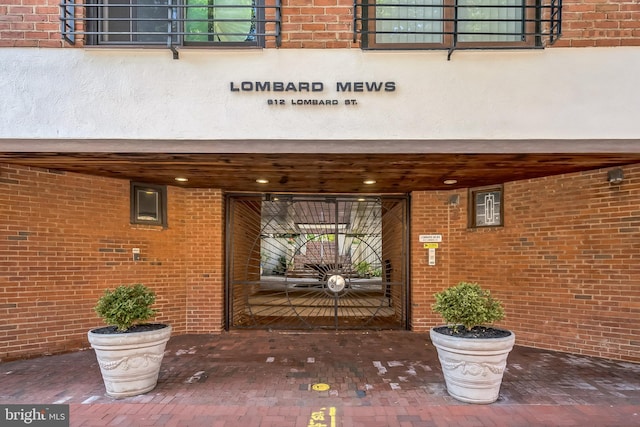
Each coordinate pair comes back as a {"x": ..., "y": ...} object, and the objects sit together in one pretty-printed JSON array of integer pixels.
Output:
[{"x": 317, "y": 262}]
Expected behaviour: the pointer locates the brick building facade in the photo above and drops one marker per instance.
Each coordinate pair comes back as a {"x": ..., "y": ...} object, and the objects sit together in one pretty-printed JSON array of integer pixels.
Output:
[
  {"x": 566, "y": 262},
  {"x": 328, "y": 24}
]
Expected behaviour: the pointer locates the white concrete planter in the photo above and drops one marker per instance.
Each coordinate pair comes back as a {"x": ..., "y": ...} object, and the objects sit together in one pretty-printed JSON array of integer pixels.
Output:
[
  {"x": 130, "y": 362},
  {"x": 473, "y": 367}
]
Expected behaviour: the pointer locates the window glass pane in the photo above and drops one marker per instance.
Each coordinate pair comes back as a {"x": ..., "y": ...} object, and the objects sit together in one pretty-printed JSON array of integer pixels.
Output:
[
  {"x": 488, "y": 208},
  {"x": 117, "y": 19},
  {"x": 401, "y": 21},
  {"x": 235, "y": 23},
  {"x": 148, "y": 205},
  {"x": 156, "y": 11},
  {"x": 135, "y": 21},
  {"x": 502, "y": 23},
  {"x": 197, "y": 21}
]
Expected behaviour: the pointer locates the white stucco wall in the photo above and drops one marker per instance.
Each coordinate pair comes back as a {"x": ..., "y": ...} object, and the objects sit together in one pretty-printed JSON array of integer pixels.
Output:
[{"x": 577, "y": 93}]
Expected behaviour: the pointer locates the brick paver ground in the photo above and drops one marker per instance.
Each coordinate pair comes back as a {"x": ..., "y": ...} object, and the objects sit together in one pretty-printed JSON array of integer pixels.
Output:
[{"x": 262, "y": 378}]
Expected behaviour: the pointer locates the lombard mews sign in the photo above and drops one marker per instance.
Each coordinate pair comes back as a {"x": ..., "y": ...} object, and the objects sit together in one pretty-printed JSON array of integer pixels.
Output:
[{"x": 320, "y": 91}]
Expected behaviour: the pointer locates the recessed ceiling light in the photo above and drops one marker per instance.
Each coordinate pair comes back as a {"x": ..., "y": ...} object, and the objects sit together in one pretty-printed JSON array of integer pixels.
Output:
[
  {"x": 262, "y": 181},
  {"x": 369, "y": 181},
  {"x": 450, "y": 181},
  {"x": 181, "y": 179}
]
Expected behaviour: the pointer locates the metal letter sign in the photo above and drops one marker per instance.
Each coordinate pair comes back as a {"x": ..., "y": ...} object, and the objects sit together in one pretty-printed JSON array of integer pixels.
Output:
[{"x": 430, "y": 238}]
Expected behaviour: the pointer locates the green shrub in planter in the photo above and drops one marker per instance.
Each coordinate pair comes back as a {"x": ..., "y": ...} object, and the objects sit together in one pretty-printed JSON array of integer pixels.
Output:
[
  {"x": 467, "y": 305},
  {"x": 126, "y": 306}
]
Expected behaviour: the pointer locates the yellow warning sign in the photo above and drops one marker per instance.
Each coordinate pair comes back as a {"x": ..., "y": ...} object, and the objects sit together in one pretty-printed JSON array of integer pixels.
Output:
[
  {"x": 320, "y": 387},
  {"x": 431, "y": 246}
]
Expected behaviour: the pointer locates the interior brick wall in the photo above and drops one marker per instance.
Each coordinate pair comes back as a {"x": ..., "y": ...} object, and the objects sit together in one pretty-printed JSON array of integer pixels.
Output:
[
  {"x": 244, "y": 227},
  {"x": 65, "y": 238},
  {"x": 393, "y": 257},
  {"x": 328, "y": 24},
  {"x": 566, "y": 264}
]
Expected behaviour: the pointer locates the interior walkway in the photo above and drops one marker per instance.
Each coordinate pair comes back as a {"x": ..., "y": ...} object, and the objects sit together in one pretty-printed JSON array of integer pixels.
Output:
[{"x": 260, "y": 378}]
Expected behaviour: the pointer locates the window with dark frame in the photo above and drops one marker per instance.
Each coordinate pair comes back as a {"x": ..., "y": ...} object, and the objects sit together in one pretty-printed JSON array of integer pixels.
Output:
[
  {"x": 486, "y": 207},
  {"x": 232, "y": 23},
  {"x": 148, "y": 204},
  {"x": 457, "y": 24}
]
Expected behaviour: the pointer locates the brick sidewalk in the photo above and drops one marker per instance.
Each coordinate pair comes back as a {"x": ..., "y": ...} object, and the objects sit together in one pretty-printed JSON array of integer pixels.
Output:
[{"x": 256, "y": 378}]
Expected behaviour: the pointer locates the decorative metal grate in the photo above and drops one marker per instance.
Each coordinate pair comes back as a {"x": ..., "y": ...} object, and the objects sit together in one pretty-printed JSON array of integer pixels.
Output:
[
  {"x": 456, "y": 24},
  {"x": 67, "y": 21},
  {"x": 317, "y": 262},
  {"x": 233, "y": 23}
]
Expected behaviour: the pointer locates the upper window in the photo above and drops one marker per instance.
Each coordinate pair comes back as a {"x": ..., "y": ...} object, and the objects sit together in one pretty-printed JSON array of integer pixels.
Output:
[
  {"x": 486, "y": 207},
  {"x": 457, "y": 24},
  {"x": 172, "y": 23},
  {"x": 148, "y": 204},
  {"x": 160, "y": 22}
]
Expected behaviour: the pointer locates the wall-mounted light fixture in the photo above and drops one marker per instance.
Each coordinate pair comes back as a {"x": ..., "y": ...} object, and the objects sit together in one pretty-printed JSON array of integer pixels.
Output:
[
  {"x": 615, "y": 176},
  {"x": 454, "y": 199}
]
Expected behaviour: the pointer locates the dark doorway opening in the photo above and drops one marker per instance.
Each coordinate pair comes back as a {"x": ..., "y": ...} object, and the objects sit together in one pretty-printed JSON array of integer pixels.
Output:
[{"x": 317, "y": 262}]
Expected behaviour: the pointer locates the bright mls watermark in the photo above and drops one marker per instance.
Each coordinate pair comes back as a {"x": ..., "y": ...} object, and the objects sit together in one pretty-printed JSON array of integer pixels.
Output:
[{"x": 34, "y": 415}]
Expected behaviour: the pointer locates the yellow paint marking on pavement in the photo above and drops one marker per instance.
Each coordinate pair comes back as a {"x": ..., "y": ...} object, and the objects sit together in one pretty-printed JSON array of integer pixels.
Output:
[
  {"x": 320, "y": 387},
  {"x": 319, "y": 418}
]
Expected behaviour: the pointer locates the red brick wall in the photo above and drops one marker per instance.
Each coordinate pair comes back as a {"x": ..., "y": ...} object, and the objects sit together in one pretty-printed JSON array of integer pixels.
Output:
[
  {"x": 429, "y": 215},
  {"x": 327, "y": 24},
  {"x": 204, "y": 259},
  {"x": 317, "y": 24},
  {"x": 566, "y": 264},
  {"x": 64, "y": 238},
  {"x": 30, "y": 23},
  {"x": 600, "y": 23}
]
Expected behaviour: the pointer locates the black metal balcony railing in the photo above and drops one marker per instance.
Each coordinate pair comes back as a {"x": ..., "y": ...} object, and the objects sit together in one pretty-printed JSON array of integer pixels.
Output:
[
  {"x": 456, "y": 24},
  {"x": 381, "y": 24},
  {"x": 163, "y": 23}
]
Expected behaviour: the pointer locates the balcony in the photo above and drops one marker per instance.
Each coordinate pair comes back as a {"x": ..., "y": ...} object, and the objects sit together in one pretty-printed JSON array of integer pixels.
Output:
[
  {"x": 198, "y": 23},
  {"x": 456, "y": 24}
]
